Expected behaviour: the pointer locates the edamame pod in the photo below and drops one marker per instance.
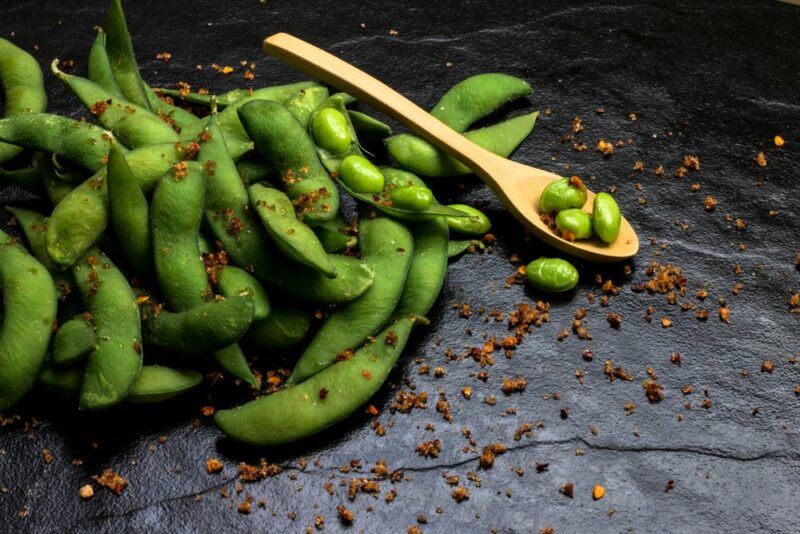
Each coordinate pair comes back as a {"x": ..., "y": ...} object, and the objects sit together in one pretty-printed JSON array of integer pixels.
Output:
[
  {"x": 201, "y": 329},
  {"x": 234, "y": 282},
  {"x": 335, "y": 235},
  {"x": 122, "y": 58},
  {"x": 322, "y": 400},
  {"x": 73, "y": 342},
  {"x": 130, "y": 213},
  {"x": 296, "y": 240},
  {"x": 368, "y": 128},
  {"x": 303, "y": 103},
  {"x": 279, "y": 93},
  {"x": 177, "y": 118},
  {"x": 99, "y": 66},
  {"x": 476, "y": 224},
  {"x": 23, "y": 87},
  {"x": 428, "y": 268},
  {"x": 283, "y": 141},
  {"x": 27, "y": 178},
  {"x": 458, "y": 247},
  {"x": 29, "y": 311},
  {"x": 112, "y": 367},
  {"x": 387, "y": 247},
  {"x": 334, "y": 135},
  {"x": 285, "y": 327},
  {"x": 252, "y": 170}
]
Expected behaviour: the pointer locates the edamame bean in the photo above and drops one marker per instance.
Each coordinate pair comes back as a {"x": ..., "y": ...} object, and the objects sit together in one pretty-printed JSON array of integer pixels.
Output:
[
  {"x": 29, "y": 311},
  {"x": 133, "y": 125},
  {"x": 563, "y": 194},
  {"x": 122, "y": 58},
  {"x": 368, "y": 128},
  {"x": 331, "y": 131},
  {"x": 387, "y": 247},
  {"x": 303, "y": 103},
  {"x": 322, "y": 400},
  {"x": 420, "y": 156},
  {"x": 114, "y": 365},
  {"x": 130, "y": 213},
  {"x": 23, "y": 86},
  {"x": 285, "y": 327},
  {"x": 80, "y": 142},
  {"x": 296, "y": 240},
  {"x": 427, "y": 271},
  {"x": 552, "y": 274},
  {"x": 606, "y": 218},
  {"x": 361, "y": 175},
  {"x": 201, "y": 329},
  {"x": 412, "y": 198},
  {"x": 574, "y": 224},
  {"x": 283, "y": 141},
  {"x": 235, "y": 282},
  {"x": 73, "y": 342},
  {"x": 99, "y": 65},
  {"x": 476, "y": 224}
]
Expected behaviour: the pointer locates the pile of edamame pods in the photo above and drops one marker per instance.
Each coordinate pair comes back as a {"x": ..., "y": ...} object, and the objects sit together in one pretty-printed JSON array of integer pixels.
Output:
[{"x": 169, "y": 230}]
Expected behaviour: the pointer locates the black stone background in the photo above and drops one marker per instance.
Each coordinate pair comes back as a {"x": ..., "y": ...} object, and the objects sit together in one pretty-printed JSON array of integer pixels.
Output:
[{"x": 713, "y": 78}]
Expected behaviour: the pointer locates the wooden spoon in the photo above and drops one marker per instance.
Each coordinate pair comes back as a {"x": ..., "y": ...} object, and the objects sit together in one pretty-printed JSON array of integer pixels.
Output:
[{"x": 518, "y": 186}]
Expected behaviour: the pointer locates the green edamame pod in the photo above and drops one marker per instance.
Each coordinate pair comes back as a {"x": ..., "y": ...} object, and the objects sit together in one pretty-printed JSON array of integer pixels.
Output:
[
  {"x": 177, "y": 118},
  {"x": 55, "y": 187},
  {"x": 353, "y": 279},
  {"x": 133, "y": 125},
  {"x": 303, "y": 103},
  {"x": 29, "y": 311},
  {"x": 112, "y": 367},
  {"x": 368, "y": 128},
  {"x": 79, "y": 142},
  {"x": 334, "y": 135},
  {"x": 201, "y": 329},
  {"x": 155, "y": 383},
  {"x": 606, "y": 217},
  {"x": 122, "y": 58},
  {"x": 73, "y": 342},
  {"x": 130, "y": 213},
  {"x": 552, "y": 274},
  {"x": 279, "y": 93},
  {"x": 175, "y": 214},
  {"x": 252, "y": 170},
  {"x": 334, "y": 235},
  {"x": 296, "y": 240},
  {"x": 428, "y": 268},
  {"x": 387, "y": 247},
  {"x": 459, "y": 246},
  {"x": 563, "y": 194},
  {"x": 574, "y": 224},
  {"x": 100, "y": 71},
  {"x": 285, "y": 327},
  {"x": 476, "y": 224},
  {"x": 283, "y": 141},
  {"x": 322, "y": 400},
  {"x": 420, "y": 156},
  {"x": 23, "y": 87},
  {"x": 233, "y": 281},
  {"x": 28, "y": 178}
]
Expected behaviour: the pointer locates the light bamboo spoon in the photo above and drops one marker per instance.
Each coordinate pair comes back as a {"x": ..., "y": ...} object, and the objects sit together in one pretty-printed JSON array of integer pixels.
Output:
[{"x": 518, "y": 186}]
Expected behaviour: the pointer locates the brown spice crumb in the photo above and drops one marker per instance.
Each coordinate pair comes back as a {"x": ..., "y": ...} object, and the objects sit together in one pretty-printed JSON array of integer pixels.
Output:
[
  {"x": 111, "y": 480},
  {"x": 514, "y": 385},
  {"x": 244, "y": 507},
  {"x": 653, "y": 390},
  {"x": 605, "y": 148},
  {"x": 767, "y": 366},
  {"x": 345, "y": 516},
  {"x": 429, "y": 449},
  {"x": 214, "y": 466},
  {"x": 568, "y": 490},
  {"x": 761, "y": 159},
  {"x": 710, "y": 203},
  {"x": 460, "y": 494},
  {"x": 86, "y": 492},
  {"x": 598, "y": 492},
  {"x": 615, "y": 320}
]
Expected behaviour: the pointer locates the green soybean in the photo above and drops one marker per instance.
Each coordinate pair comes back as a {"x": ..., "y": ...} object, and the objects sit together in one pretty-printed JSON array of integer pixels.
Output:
[
  {"x": 606, "y": 218},
  {"x": 296, "y": 240},
  {"x": 114, "y": 365},
  {"x": 73, "y": 342},
  {"x": 283, "y": 141},
  {"x": 427, "y": 271},
  {"x": 29, "y": 311},
  {"x": 476, "y": 224},
  {"x": 420, "y": 156},
  {"x": 411, "y": 198},
  {"x": 122, "y": 58},
  {"x": 562, "y": 194},
  {"x": 387, "y": 247},
  {"x": 303, "y": 103},
  {"x": 23, "y": 87},
  {"x": 285, "y": 327},
  {"x": 552, "y": 274},
  {"x": 331, "y": 131},
  {"x": 574, "y": 223},
  {"x": 361, "y": 175},
  {"x": 321, "y": 401},
  {"x": 233, "y": 281},
  {"x": 130, "y": 213}
]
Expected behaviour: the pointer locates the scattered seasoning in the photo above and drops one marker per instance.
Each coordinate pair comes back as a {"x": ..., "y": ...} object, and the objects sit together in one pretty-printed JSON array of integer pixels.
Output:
[
  {"x": 767, "y": 366},
  {"x": 430, "y": 449},
  {"x": 460, "y": 494},
  {"x": 345, "y": 516},
  {"x": 214, "y": 466},
  {"x": 761, "y": 159},
  {"x": 605, "y": 148},
  {"x": 598, "y": 492},
  {"x": 86, "y": 492},
  {"x": 568, "y": 489},
  {"x": 111, "y": 480},
  {"x": 514, "y": 385}
]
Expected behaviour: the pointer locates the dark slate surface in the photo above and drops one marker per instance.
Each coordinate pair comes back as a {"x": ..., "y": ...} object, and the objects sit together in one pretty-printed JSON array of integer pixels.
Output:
[{"x": 713, "y": 78}]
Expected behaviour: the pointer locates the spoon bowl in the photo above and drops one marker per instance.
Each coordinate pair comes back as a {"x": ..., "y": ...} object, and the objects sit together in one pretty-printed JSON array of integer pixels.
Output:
[{"x": 518, "y": 186}]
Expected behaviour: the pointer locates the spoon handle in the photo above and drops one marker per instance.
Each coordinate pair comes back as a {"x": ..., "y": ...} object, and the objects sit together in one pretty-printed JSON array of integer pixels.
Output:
[{"x": 342, "y": 75}]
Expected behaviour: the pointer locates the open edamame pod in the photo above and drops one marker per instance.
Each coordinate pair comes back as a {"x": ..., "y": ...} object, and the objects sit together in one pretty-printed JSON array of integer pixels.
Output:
[
  {"x": 279, "y": 93},
  {"x": 285, "y": 327},
  {"x": 23, "y": 87},
  {"x": 29, "y": 311},
  {"x": 303, "y": 103},
  {"x": 387, "y": 247},
  {"x": 73, "y": 342},
  {"x": 321, "y": 401},
  {"x": 201, "y": 329},
  {"x": 296, "y": 240},
  {"x": 114, "y": 365},
  {"x": 235, "y": 282},
  {"x": 368, "y": 128},
  {"x": 333, "y": 133},
  {"x": 283, "y": 141}
]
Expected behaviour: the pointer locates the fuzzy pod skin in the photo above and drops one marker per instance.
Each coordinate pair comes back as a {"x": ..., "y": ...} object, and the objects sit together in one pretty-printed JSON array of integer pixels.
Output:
[
  {"x": 334, "y": 236},
  {"x": 387, "y": 246},
  {"x": 99, "y": 65},
  {"x": 303, "y": 103},
  {"x": 428, "y": 268},
  {"x": 73, "y": 342},
  {"x": 122, "y": 58},
  {"x": 285, "y": 327},
  {"x": 29, "y": 311},
  {"x": 115, "y": 364},
  {"x": 233, "y": 281},
  {"x": 283, "y": 141},
  {"x": 321, "y": 401}
]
